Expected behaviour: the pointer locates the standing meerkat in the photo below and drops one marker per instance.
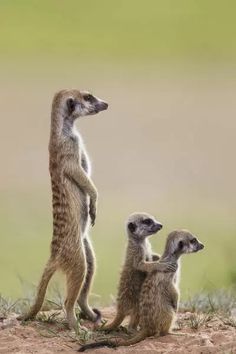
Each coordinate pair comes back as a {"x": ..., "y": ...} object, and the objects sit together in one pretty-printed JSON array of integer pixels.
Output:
[
  {"x": 74, "y": 199},
  {"x": 160, "y": 294},
  {"x": 139, "y": 261}
]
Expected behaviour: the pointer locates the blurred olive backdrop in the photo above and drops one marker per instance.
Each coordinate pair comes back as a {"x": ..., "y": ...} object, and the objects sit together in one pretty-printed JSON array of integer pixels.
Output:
[{"x": 166, "y": 145}]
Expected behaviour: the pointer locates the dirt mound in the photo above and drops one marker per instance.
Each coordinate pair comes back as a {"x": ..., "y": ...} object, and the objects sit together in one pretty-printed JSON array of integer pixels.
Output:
[{"x": 201, "y": 334}]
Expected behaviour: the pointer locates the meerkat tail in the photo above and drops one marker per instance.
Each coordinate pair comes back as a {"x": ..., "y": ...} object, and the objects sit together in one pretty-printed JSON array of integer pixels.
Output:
[
  {"x": 42, "y": 288},
  {"x": 113, "y": 343}
]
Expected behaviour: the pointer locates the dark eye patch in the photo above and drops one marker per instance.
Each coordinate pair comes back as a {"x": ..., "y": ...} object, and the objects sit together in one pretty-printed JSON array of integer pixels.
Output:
[
  {"x": 193, "y": 240},
  {"x": 88, "y": 97},
  {"x": 147, "y": 222}
]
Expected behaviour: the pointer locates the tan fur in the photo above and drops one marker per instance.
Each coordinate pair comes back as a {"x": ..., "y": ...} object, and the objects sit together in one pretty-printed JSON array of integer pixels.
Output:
[
  {"x": 74, "y": 199},
  {"x": 138, "y": 262},
  {"x": 160, "y": 294}
]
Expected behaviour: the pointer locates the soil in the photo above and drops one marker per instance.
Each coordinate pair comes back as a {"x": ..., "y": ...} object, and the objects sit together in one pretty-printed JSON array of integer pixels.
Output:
[{"x": 214, "y": 335}]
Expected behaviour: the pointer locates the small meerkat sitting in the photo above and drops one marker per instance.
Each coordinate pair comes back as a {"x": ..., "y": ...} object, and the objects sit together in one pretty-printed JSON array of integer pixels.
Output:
[
  {"x": 139, "y": 260},
  {"x": 160, "y": 294}
]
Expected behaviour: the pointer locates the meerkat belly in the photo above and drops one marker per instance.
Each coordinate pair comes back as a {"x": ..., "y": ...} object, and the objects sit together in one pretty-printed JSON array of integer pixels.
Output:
[
  {"x": 69, "y": 205},
  {"x": 153, "y": 298},
  {"x": 79, "y": 205},
  {"x": 164, "y": 299}
]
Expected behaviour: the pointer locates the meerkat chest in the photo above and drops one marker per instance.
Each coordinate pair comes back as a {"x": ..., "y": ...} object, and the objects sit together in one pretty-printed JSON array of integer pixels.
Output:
[
  {"x": 82, "y": 153},
  {"x": 147, "y": 252}
]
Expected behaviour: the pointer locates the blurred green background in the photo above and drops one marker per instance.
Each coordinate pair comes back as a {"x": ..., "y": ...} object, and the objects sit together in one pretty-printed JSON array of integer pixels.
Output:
[{"x": 166, "y": 145}]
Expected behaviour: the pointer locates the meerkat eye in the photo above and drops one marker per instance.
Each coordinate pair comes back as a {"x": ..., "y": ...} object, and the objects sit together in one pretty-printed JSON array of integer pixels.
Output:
[
  {"x": 88, "y": 97},
  {"x": 193, "y": 240},
  {"x": 70, "y": 105},
  {"x": 147, "y": 222},
  {"x": 131, "y": 227}
]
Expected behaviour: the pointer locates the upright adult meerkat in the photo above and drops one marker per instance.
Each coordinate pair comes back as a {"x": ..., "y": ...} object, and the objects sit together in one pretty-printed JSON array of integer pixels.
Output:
[
  {"x": 159, "y": 295},
  {"x": 74, "y": 199},
  {"x": 139, "y": 261}
]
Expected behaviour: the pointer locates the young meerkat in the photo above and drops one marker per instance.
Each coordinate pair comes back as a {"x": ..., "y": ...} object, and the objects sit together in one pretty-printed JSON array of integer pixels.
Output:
[
  {"x": 74, "y": 200},
  {"x": 160, "y": 294},
  {"x": 139, "y": 260}
]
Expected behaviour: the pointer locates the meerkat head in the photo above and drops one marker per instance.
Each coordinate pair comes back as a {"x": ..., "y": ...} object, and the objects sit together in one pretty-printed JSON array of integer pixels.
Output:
[
  {"x": 182, "y": 241},
  {"x": 141, "y": 225},
  {"x": 74, "y": 103}
]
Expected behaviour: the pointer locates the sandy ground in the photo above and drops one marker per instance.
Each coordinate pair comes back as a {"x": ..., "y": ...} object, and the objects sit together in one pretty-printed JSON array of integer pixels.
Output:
[{"x": 46, "y": 338}]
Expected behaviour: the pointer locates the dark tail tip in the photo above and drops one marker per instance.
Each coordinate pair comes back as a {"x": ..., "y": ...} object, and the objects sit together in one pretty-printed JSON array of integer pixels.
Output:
[{"x": 96, "y": 345}]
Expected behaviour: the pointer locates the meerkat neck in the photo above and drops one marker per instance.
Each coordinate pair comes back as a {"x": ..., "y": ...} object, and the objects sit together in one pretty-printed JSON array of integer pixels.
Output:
[
  {"x": 133, "y": 242},
  {"x": 61, "y": 125},
  {"x": 68, "y": 126},
  {"x": 170, "y": 257},
  {"x": 57, "y": 118}
]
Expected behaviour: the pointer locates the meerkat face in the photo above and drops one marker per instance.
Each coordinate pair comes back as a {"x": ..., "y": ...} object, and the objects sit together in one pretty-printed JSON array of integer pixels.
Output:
[
  {"x": 141, "y": 225},
  {"x": 74, "y": 104},
  {"x": 183, "y": 241},
  {"x": 83, "y": 104}
]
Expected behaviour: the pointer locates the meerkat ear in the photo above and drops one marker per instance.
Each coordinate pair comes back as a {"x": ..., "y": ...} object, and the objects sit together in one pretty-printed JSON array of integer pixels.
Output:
[
  {"x": 131, "y": 226},
  {"x": 181, "y": 245},
  {"x": 70, "y": 105}
]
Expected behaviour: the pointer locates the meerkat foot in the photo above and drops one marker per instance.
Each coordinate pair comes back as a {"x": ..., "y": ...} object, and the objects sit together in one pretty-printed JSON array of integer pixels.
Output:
[
  {"x": 98, "y": 315},
  {"x": 75, "y": 325},
  {"x": 93, "y": 316},
  {"x": 25, "y": 318},
  {"x": 31, "y": 315}
]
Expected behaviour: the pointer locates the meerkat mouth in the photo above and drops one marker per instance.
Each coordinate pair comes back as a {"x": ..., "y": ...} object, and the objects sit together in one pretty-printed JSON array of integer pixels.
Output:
[{"x": 98, "y": 109}]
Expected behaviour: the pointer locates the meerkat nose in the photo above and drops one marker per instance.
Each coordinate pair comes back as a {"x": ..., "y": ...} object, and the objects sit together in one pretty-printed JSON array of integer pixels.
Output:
[
  {"x": 159, "y": 226},
  {"x": 201, "y": 246},
  {"x": 104, "y": 105}
]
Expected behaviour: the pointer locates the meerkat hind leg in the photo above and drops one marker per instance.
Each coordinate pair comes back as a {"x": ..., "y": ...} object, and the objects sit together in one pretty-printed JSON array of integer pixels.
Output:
[
  {"x": 93, "y": 315},
  {"x": 115, "y": 323},
  {"x": 133, "y": 322},
  {"x": 75, "y": 279}
]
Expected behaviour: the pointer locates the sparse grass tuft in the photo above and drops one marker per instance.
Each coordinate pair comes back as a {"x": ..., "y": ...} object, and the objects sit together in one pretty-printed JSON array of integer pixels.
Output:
[
  {"x": 220, "y": 301},
  {"x": 203, "y": 306},
  {"x": 8, "y": 306},
  {"x": 229, "y": 321},
  {"x": 49, "y": 317},
  {"x": 198, "y": 320}
]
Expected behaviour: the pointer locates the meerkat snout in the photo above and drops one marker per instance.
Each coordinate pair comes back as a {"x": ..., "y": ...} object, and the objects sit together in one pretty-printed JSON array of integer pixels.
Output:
[
  {"x": 157, "y": 227},
  {"x": 200, "y": 246},
  {"x": 101, "y": 106},
  {"x": 92, "y": 103}
]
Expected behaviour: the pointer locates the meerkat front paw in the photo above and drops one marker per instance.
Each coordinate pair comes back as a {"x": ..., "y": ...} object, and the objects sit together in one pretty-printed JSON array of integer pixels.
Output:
[
  {"x": 155, "y": 257},
  {"x": 166, "y": 267},
  {"x": 170, "y": 267},
  {"x": 92, "y": 212}
]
